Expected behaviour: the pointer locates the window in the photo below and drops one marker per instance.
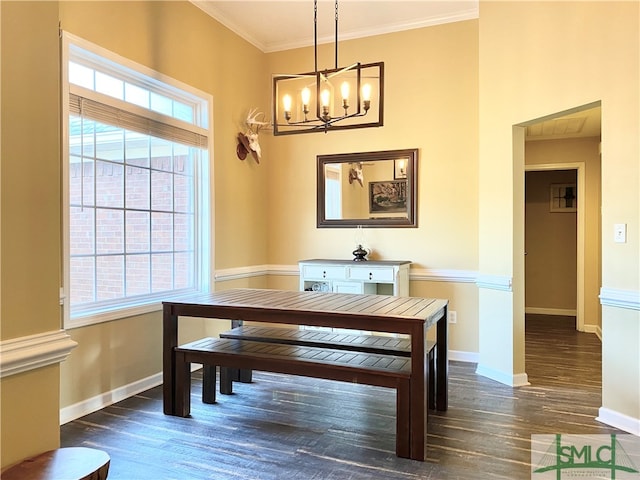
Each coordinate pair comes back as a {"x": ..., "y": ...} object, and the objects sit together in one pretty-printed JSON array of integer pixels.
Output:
[
  {"x": 136, "y": 187},
  {"x": 333, "y": 195}
]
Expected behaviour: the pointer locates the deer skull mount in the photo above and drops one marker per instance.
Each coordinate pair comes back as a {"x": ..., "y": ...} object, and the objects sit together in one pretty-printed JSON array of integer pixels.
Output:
[
  {"x": 355, "y": 173},
  {"x": 248, "y": 141}
]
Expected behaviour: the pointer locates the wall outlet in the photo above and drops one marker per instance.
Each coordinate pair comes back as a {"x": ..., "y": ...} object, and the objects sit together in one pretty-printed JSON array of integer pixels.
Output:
[{"x": 453, "y": 316}]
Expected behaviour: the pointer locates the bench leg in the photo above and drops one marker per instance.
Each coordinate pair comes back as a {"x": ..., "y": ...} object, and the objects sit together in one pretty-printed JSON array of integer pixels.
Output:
[
  {"x": 403, "y": 419},
  {"x": 183, "y": 386},
  {"x": 209, "y": 384},
  {"x": 233, "y": 375},
  {"x": 245, "y": 376},
  {"x": 241, "y": 375},
  {"x": 227, "y": 375}
]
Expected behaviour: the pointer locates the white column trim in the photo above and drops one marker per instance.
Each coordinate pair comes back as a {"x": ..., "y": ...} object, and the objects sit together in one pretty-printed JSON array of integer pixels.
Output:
[
  {"x": 22, "y": 354},
  {"x": 613, "y": 297}
]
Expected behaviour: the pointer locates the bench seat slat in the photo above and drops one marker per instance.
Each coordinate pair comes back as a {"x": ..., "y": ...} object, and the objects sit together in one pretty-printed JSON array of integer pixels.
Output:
[
  {"x": 301, "y": 353},
  {"x": 336, "y": 340}
]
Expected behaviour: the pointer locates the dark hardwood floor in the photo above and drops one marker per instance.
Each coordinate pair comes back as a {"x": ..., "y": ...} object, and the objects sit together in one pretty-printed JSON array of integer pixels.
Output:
[{"x": 284, "y": 427}]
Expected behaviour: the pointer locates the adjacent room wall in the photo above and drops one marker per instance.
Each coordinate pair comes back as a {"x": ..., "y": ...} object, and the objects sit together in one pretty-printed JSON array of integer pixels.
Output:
[{"x": 551, "y": 240}]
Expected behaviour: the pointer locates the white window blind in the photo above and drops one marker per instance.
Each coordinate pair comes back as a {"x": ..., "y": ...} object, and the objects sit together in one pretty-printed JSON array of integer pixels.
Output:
[{"x": 130, "y": 120}]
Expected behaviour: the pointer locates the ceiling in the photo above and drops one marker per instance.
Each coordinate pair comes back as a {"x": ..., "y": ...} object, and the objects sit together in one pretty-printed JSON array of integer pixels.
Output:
[
  {"x": 579, "y": 123},
  {"x": 275, "y": 25}
]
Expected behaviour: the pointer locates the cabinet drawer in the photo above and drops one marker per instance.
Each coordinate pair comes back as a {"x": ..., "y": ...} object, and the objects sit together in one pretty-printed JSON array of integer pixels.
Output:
[
  {"x": 348, "y": 287},
  {"x": 324, "y": 272},
  {"x": 374, "y": 274}
]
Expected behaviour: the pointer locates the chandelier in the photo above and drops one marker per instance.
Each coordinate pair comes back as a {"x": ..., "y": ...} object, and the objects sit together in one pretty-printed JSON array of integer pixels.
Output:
[{"x": 331, "y": 99}]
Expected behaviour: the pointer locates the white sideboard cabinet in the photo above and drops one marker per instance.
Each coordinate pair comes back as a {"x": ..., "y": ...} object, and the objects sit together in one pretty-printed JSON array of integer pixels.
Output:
[{"x": 383, "y": 277}]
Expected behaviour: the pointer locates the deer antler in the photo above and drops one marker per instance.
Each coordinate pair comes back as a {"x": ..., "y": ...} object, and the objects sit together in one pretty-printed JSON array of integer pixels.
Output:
[{"x": 253, "y": 122}]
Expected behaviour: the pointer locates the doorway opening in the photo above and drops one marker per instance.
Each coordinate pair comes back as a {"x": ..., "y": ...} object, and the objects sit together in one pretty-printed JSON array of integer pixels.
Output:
[{"x": 565, "y": 147}]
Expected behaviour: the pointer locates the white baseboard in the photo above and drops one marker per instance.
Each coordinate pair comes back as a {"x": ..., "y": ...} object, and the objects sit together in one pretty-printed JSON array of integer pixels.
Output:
[
  {"x": 98, "y": 402},
  {"x": 459, "y": 356},
  {"x": 93, "y": 404},
  {"x": 563, "y": 312},
  {"x": 594, "y": 329},
  {"x": 517, "y": 380},
  {"x": 619, "y": 420}
]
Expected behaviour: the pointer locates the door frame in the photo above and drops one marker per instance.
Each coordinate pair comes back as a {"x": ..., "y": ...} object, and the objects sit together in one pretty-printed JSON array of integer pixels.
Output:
[{"x": 580, "y": 239}]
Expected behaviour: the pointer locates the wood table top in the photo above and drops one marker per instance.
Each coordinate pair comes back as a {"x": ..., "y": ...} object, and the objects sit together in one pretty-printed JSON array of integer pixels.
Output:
[{"x": 299, "y": 302}]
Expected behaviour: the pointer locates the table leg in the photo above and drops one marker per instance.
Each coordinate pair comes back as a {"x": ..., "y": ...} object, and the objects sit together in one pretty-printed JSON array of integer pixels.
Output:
[
  {"x": 169, "y": 342},
  {"x": 418, "y": 387},
  {"x": 442, "y": 363}
]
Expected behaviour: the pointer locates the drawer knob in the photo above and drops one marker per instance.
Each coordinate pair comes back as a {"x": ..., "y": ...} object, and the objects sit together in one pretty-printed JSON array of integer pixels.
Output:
[
  {"x": 324, "y": 274},
  {"x": 370, "y": 275}
]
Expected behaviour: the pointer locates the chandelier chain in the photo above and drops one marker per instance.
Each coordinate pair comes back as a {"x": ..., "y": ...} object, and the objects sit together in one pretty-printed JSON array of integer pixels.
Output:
[
  {"x": 315, "y": 35},
  {"x": 336, "y": 40}
]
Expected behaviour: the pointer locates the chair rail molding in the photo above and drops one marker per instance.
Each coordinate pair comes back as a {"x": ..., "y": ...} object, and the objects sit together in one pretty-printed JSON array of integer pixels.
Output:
[
  {"x": 613, "y": 297},
  {"x": 495, "y": 282},
  {"x": 236, "y": 273},
  {"x": 428, "y": 275},
  {"x": 22, "y": 354},
  {"x": 443, "y": 275}
]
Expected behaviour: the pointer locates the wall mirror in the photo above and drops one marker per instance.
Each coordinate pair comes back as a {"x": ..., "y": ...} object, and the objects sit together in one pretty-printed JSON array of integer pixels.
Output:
[{"x": 376, "y": 189}]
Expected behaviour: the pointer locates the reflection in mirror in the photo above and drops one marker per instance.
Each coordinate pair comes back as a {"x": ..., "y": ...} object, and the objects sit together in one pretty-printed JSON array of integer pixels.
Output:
[{"x": 377, "y": 189}]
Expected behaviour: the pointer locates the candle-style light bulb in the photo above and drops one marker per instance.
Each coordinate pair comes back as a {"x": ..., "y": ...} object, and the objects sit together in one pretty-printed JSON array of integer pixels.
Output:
[
  {"x": 366, "y": 96},
  {"x": 286, "y": 103},
  {"x": 344, "y": 89},
  {"x": 366, "y": 92},
  {"x": 325, "y": 96},
  {"x": 306, "y": 98}
]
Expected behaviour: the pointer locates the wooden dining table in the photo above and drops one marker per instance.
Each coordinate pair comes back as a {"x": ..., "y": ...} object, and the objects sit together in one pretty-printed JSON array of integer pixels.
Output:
[{"x": 413, "y": 316}]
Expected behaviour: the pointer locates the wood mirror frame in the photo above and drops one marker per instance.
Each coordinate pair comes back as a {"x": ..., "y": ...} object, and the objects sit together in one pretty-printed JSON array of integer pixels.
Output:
[{"x": 392, "y": 175}]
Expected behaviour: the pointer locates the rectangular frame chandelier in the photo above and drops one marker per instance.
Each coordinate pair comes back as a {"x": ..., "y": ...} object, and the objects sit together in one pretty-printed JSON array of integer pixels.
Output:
[{"x": 331, "y": 99}]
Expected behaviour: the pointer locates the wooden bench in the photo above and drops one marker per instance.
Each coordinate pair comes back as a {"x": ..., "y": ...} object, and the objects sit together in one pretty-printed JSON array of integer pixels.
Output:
[
  {"x": 383, "y": 345},
  {"x": 389, "y": 371}
]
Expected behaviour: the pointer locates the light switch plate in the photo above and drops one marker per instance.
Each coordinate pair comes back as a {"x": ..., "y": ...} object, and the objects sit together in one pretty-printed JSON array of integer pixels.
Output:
[{"x": 620, "y": 233}]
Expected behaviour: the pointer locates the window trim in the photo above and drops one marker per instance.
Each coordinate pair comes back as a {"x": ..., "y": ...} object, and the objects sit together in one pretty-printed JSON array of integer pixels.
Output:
[{"x": 203, "y": 189}]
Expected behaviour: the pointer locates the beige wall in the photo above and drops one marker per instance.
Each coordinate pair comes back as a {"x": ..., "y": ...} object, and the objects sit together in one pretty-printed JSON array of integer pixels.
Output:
[
  {"x": 430, "y": 101},
  {"x": 176, "y": 39},
  {"x": 536, "y": 59},
  {"x": 30, "y": 266},
  {"x": 106, "y": 358}
]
